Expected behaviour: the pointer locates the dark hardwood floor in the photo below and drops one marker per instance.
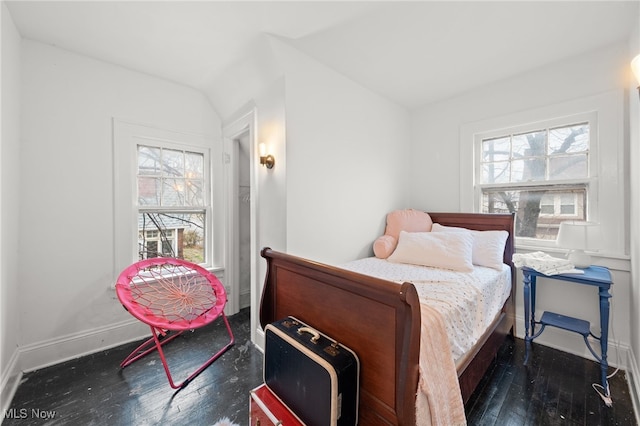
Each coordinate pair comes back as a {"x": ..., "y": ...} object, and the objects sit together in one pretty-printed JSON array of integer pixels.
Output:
[{"x": 554, "y": 390}]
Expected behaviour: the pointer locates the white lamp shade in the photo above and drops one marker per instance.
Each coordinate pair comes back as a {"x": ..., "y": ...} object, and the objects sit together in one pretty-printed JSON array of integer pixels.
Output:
[{"x": 579, "y": 235}]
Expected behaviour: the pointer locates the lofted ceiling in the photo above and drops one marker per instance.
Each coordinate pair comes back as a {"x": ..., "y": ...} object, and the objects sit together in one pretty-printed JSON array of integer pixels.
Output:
[{"x": 413, "y": 52}]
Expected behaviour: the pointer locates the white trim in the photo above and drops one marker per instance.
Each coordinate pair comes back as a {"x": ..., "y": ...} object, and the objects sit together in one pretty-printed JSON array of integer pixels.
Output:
[
  {"x": 633, "y": 378},
  {"x": 38, "y": 355},
  {"x": 247, "y": 121},
  {"x": 125, "y": 135},
  {"x": 617, "y": 353},
  {"x": 607, "y": 164},
  {"x": 11, "y": 378}
]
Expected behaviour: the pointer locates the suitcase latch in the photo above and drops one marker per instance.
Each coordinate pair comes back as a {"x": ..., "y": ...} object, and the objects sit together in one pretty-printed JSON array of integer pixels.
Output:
[
  {"x": 333, "y": 349},
  {"x": 289, "y": 323}
]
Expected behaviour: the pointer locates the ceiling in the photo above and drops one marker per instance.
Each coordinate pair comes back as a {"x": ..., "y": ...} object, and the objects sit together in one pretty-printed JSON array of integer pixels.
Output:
[{"x": 413, "y": 52}]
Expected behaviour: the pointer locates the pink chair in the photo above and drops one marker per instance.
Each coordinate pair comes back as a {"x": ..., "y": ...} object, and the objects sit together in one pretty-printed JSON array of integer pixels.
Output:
[{"x": 171, "y": 295}]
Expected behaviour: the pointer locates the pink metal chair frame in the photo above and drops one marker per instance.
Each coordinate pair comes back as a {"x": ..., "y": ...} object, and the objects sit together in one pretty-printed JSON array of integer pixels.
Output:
[{"x": 171, "y": 295}]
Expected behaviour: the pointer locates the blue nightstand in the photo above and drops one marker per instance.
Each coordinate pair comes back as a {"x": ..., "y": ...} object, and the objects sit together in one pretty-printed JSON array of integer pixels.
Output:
[{"x": 596, "y": 276}]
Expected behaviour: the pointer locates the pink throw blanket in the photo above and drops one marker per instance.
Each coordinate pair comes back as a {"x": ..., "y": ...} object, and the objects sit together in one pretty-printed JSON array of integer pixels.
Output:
[{"x": 438, "y": 400}]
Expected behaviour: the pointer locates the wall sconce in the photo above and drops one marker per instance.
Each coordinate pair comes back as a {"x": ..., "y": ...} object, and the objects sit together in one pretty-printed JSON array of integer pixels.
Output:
[
  {"x": 266, "y": 160},
  {"x": 635, "y": 67}
]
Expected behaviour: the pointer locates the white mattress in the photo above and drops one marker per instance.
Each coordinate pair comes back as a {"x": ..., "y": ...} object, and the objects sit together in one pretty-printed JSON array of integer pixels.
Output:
[{"x": 468, "y": 301}]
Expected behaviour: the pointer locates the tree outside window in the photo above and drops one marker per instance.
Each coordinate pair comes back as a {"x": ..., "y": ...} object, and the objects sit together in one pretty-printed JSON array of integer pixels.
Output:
[
  {"x": 542, "y": 176},
  {"x": 171, "y": 203}
]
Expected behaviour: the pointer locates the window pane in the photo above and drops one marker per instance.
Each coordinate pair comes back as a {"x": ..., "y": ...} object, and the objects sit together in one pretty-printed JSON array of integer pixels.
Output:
[
  {"x": 148, "y": 160},
  {"x": 495, "y": 172},
  {"x": 569, "y": 139},
  {"x": 173, "y": 162},
  {"x": 533, "y": 170},
  {"x": 496, "y": 149},
  {"x": 568, "y": 167},
  {"x": 568, "y": 209},
  {"x": 547, "y": 205},
  {"x": 152, "y": 249},
  {"x": 148, "y": 191},
  {"x": 193, "y": 193},
  {"x": 179, "y": 235},
  {"x": 528, "y": 170},
  {"x": 532, "y": 144},
  {"x": 536, "y": 212},
  {"x": 173, "y": 192},
  {"x": 194, "y": 165}
]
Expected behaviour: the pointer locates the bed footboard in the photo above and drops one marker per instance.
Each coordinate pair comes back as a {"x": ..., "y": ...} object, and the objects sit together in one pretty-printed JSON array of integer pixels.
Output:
[{"x": 377, "y": 319}]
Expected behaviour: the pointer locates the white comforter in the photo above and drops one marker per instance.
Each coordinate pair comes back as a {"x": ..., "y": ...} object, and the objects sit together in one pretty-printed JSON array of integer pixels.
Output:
[
  {"x": 456, "y": 309},
  {"x": 467, "y": 301}
]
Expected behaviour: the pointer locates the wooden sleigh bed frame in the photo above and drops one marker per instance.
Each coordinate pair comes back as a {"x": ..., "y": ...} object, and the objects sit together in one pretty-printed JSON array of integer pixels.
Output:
[{"x": 380, "y": 321}]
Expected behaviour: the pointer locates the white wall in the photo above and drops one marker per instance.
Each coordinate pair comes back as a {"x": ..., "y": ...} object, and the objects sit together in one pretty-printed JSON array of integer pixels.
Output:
[
  {"x": 346, "y": 152},
  {"x": 66, "y": 246},
  {"x": 341, "y": 152},
  {"x": 9, "y": 206},
  {"x": 436, "y": 175},
  {"x": 272, "y": 130}
]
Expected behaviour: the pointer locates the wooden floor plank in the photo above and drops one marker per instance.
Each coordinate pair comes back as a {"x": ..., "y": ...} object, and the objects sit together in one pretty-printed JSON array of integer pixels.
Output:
[{"x": 555, "y": 389}]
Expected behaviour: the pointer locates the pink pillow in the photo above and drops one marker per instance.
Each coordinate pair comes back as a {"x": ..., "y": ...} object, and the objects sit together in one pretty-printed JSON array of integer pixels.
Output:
[
  {"x": 384, "y": 246},
  {"x": 409, "y": 220}
]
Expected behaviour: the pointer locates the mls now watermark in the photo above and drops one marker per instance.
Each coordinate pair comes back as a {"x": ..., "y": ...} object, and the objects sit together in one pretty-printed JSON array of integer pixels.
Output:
[{"x": 26, "y": 413}]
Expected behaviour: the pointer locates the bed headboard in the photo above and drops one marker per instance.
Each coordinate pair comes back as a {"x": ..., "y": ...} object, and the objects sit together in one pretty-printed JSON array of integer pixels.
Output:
[{"x": 482, "y": 222}]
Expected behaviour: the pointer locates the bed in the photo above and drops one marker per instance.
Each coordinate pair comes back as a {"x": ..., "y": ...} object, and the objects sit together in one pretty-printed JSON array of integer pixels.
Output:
[{"x": 380, "y": 321}]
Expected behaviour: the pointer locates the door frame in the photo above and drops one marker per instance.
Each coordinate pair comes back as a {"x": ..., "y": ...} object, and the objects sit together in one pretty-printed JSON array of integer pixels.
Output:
[{"x": 245, "y": 123}]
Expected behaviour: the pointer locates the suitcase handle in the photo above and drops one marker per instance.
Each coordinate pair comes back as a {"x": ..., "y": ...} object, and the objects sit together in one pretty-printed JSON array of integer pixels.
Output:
[{"x": 314, "y": 333}]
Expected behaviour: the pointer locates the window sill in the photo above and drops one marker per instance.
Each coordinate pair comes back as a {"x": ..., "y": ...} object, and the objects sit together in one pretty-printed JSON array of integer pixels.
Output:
[{"x": 218, "y": 271}]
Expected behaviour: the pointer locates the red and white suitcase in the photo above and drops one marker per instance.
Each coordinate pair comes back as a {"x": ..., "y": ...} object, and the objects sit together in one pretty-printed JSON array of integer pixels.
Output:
[
  {"x": 312, "y": 374},
  {"x": 266, "y": 409}
]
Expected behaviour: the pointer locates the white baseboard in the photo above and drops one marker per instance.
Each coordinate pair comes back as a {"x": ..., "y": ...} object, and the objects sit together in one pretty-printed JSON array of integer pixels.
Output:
[
  {"x": 10, "y": 380},
  {"x": 573, "y": 343},
  {"x": 245, "y": 299},
  {"x": 54, "y": 351},
  {"x": 618, "y": 356},
  {"x": 633, "y": 373}
]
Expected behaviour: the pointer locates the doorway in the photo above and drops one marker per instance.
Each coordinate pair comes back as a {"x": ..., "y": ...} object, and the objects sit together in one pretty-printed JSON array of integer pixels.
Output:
[
  {"x": 243, "y": 235},
  {"x": 241, "y": 200}
]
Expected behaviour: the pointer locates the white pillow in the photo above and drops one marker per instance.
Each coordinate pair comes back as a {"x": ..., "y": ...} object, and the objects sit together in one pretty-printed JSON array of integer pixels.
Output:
[
  {"x": 447, "y": 250},
  {"x": 488, "y": 246}
]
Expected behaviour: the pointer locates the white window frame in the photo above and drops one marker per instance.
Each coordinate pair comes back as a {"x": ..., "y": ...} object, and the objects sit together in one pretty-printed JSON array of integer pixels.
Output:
[
  {"x": 206, "y": 192},
  {"x": 589, "y": 182},
  {"x": 126, "y": 138},
  {"x": 607, "y": 185}
]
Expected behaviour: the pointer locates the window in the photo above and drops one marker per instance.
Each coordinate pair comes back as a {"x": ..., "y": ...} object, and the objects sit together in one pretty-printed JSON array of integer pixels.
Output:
[
  {"x": 163, "y": 192},
  {"x": 171, "y": 203},
  {"x": 595, "y": 188},
  {"x": 541, "y": 173}
]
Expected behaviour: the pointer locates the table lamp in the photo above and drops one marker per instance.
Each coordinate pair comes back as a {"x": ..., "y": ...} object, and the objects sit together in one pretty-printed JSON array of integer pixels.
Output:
[{"x": 579, "y": 236}]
